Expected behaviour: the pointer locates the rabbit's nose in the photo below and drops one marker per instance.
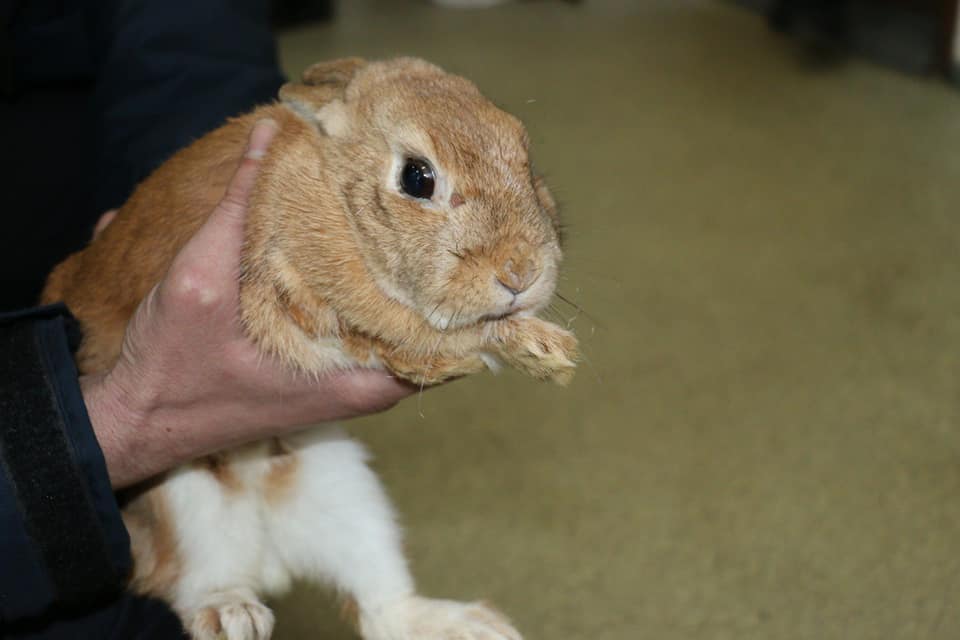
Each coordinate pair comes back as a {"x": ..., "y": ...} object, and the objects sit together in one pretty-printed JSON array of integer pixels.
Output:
[{"x": 517, "y": 274}]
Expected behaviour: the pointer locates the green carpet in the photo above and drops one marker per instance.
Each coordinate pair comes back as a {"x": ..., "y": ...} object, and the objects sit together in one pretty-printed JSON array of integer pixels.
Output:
[{"x": 764, "y": 442}]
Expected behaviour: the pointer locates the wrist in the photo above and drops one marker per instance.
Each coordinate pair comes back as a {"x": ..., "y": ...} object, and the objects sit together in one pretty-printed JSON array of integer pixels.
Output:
[{"x": 121, "y": 423}]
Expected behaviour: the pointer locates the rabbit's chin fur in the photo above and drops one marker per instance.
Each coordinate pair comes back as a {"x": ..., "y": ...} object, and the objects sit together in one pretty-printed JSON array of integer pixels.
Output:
[{"x": 340, "y": 268}]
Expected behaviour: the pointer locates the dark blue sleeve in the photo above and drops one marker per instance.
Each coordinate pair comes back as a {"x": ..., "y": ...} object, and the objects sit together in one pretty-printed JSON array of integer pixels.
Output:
[
  {"x": 168, "y": 72},
  {"x": 62, "y": 540}
]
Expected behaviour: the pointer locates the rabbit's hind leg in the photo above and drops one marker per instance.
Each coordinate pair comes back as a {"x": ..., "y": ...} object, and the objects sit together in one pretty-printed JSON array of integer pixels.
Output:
[
  {"x": 331, "y": 522},
  {"x": 218, "y": 523}
]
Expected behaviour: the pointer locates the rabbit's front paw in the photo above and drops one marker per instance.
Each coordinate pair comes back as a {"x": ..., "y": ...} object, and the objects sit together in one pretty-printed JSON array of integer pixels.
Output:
[
  {"x": 232, "y": 615},
  {"x": 539, "y": 348},
  {"x": 418, "y": 618}
]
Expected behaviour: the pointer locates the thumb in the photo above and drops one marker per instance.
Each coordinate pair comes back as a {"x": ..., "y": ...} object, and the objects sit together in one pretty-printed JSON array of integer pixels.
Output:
[
  {"x": 104, "y": 222},
  {"x": 207, "y": 266},
  {"x": 233, "y": 206}
]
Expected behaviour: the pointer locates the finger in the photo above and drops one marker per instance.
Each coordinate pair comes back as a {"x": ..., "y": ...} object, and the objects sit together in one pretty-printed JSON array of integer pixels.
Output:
[
  {"x": 365, "y": 391},
  {"x": 104, "y": 220},
  {"x": 233, "y": 206},
  {"x": 208, "y": 265}
]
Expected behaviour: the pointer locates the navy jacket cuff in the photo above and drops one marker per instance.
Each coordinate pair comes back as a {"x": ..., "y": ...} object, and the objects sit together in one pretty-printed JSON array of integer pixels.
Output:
[{"x": 63, "y": 540}]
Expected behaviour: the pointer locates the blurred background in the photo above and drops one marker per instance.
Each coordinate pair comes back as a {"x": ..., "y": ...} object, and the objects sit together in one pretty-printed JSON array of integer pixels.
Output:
[{"x": 762, "y": 267}]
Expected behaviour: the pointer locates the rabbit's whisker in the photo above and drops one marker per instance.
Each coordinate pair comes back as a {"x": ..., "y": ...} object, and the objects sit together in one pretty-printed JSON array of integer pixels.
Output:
[
  {"x": 579, "y": 309},
  {"x": 430, "y": 315}
]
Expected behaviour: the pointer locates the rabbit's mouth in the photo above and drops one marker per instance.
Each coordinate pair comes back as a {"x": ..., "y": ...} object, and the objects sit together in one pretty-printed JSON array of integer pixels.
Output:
[
  {"x": 515, "y": 310},
  {"x": 502, "y": 304},
  {"x": 498, "y": 316},
  {"x": 445, "y": 322}
]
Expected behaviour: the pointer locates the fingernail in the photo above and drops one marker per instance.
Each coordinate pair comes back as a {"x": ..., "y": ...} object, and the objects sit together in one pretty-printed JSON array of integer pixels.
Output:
[{"x": 260, "y": 137}]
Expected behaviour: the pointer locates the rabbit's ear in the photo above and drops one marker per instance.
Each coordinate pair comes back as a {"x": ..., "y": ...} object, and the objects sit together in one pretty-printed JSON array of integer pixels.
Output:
[
  {"x": 336, "y": 73},
  {"x": 319, "y": 97},
  {"x": 547, "y": 201}
]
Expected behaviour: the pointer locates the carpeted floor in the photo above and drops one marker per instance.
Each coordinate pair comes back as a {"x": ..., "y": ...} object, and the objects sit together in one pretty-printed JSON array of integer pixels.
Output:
[{"x": 765, "y": 441}]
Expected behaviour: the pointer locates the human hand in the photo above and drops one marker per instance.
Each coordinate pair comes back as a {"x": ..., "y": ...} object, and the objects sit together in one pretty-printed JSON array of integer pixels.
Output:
[{"x": 189, "y": 382}]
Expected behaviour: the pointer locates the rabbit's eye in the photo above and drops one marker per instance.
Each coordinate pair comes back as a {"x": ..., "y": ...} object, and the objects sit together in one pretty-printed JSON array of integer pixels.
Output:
[{"x": 416, "y": 178}]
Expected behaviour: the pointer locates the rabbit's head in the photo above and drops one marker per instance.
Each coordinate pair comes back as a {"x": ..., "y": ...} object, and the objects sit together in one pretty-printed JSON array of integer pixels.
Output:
[{"x": 437, "y": 185}]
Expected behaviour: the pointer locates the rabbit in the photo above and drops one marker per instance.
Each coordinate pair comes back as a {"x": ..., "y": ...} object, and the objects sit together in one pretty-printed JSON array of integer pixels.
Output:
[{"x": 395, "y": 223}]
